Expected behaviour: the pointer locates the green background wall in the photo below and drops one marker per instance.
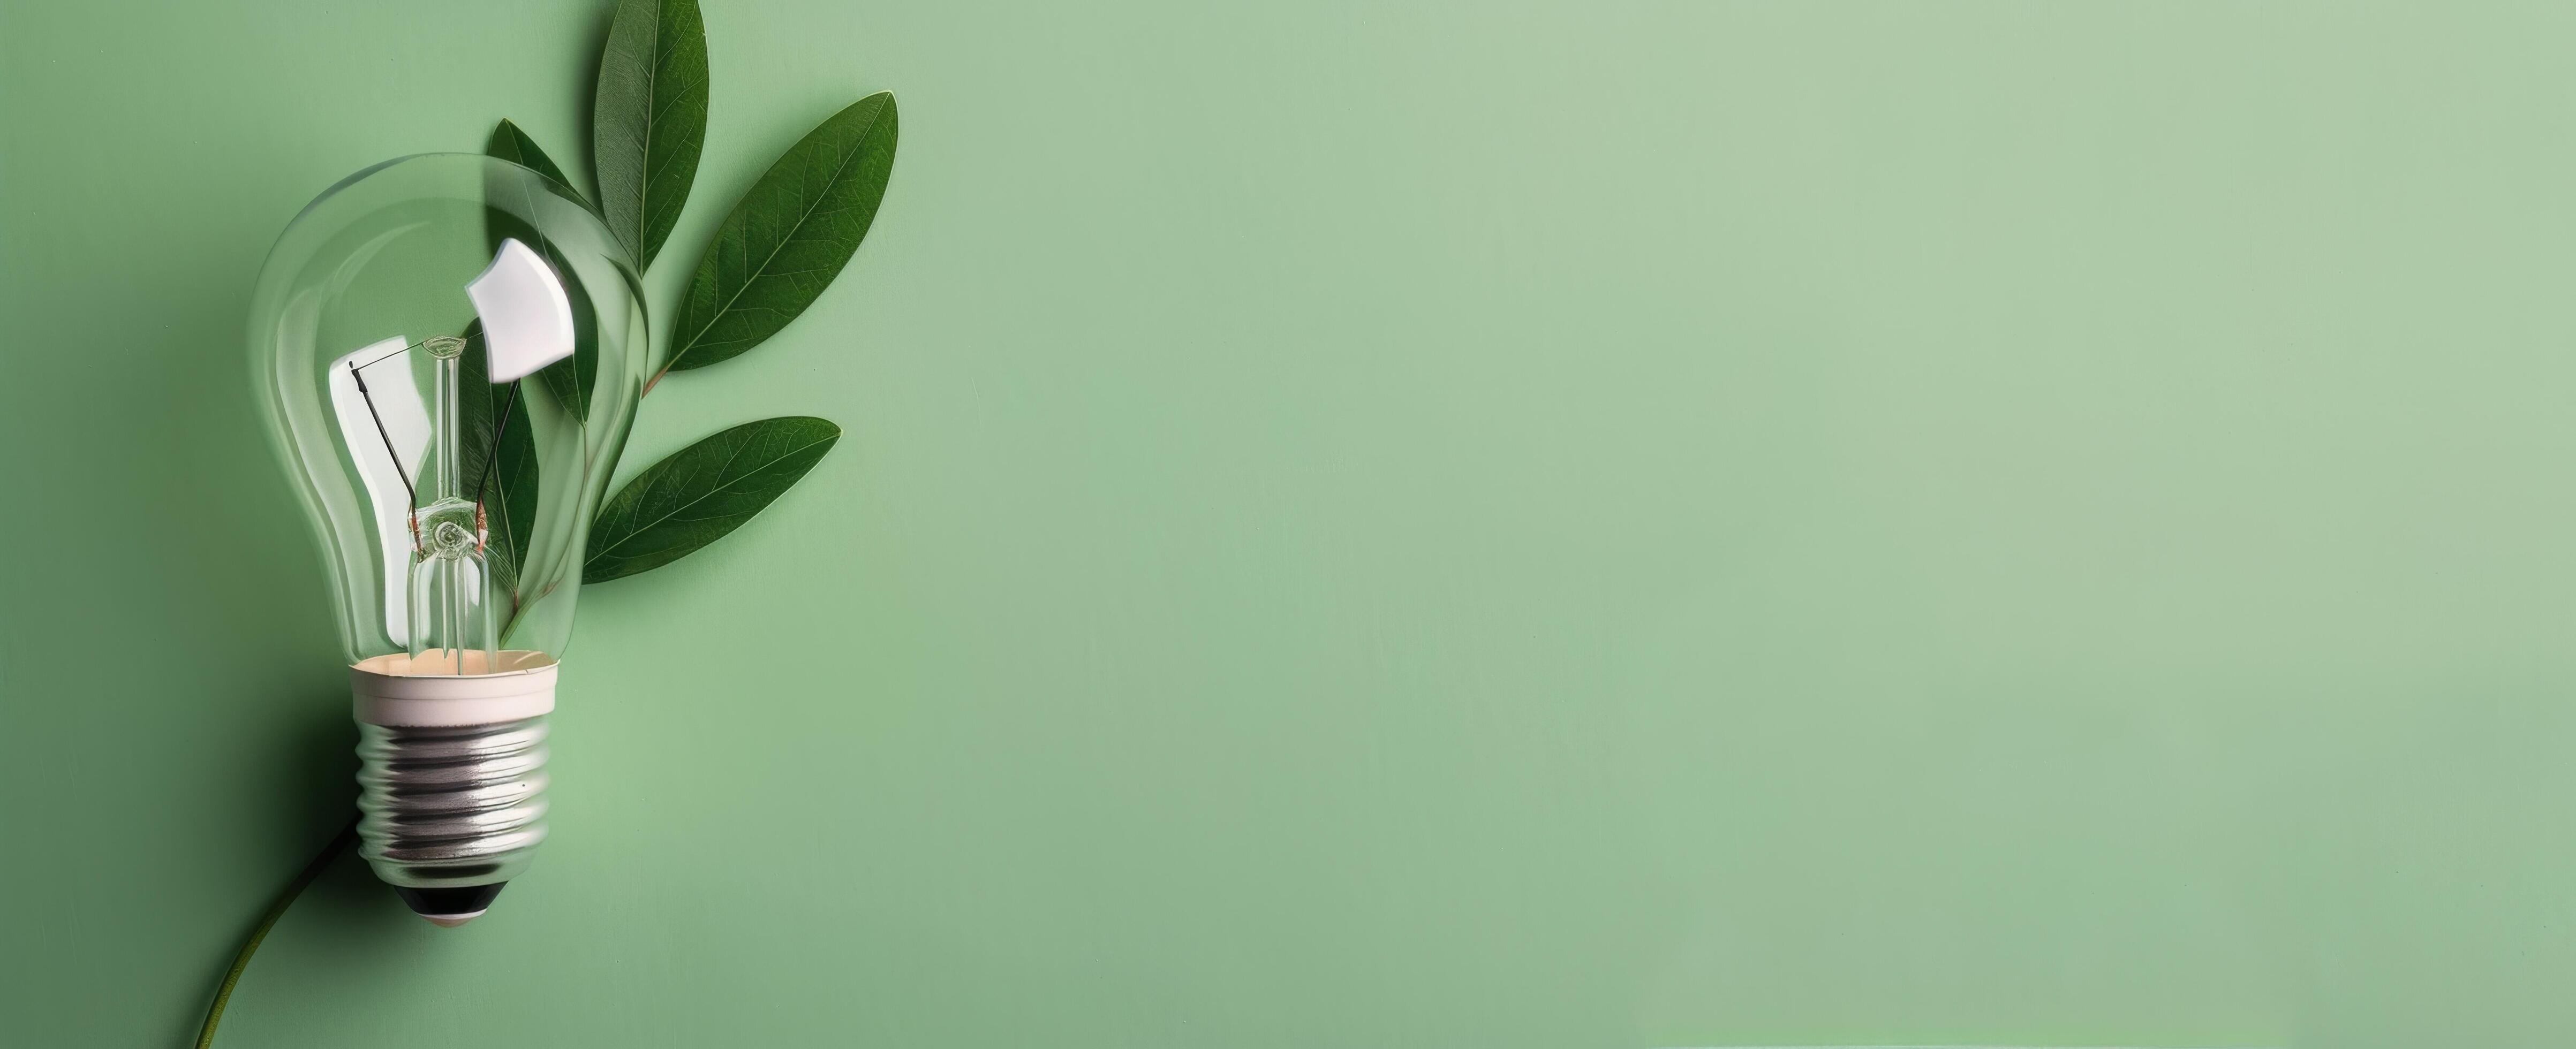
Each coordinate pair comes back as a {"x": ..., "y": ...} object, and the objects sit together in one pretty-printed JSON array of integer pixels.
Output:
[{"x": 1389, "y": 524}]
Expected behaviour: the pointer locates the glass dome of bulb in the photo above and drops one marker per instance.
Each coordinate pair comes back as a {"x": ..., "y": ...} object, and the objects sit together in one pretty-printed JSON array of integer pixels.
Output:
[{"x": 449, "y": 348}]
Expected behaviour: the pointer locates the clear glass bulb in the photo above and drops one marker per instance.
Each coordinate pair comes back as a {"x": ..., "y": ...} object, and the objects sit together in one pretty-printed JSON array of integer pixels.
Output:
[
  {"x": 452, "y": 511},
  {"x": 448, "y": 349}
]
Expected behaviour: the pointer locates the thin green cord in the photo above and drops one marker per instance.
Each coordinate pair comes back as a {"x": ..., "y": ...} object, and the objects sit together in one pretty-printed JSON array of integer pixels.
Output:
[{"x": 215, "y": 1012}]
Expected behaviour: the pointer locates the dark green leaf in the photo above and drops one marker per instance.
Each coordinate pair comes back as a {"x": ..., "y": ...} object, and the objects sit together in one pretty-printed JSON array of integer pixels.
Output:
[
  {"x": 513, "y": 145},
  {"x": 570, "y": 379},
  {"x": 649, "y": 120},
  {"x": 704, "y": 491},
  {"x": 789, "y": 237},
  {"x": 510, "y": 500}
]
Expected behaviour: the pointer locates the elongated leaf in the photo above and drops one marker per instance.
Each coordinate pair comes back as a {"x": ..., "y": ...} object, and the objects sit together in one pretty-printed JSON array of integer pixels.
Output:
[
  {"x": 570, "y": 379},
  {"x": 513, "y": 145},
  {"x": 510, "y": 496},
  {"x": 789, "y": 237},
  {"x": 702, "y": 492},
  {"x": 649, "y": 120}
]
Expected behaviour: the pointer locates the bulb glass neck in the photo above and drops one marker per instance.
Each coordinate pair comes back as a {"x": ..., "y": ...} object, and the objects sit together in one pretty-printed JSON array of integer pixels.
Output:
[
  {"x": 453, "y": 619},
  {"x": 446, "y": 481}
]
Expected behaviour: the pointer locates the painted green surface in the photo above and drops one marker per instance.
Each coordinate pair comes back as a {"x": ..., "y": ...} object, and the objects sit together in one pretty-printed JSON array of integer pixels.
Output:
[{"x": 1372, "y": 524}]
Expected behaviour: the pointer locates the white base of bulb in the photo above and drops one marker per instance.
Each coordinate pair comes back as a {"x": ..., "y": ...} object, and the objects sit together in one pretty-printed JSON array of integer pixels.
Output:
[{"x": 400, "y": 691}]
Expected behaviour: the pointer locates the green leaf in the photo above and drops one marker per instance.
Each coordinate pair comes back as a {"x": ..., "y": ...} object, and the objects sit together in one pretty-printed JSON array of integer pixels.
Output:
[
  {"x": 702, "y": 492},
  {"x": 789, "y": 237},
  {"x": 572, "y": 379},
  {"x": 510, "y": 501},
  {"x": 649, "y": 120},
  {"x": 513, "y": 145},
  {"x": 569, "y": 380}
]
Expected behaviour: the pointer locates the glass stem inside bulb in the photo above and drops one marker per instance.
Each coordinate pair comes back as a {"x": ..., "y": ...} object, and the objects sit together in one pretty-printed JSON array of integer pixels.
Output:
[{"x": 452, "y": 618}]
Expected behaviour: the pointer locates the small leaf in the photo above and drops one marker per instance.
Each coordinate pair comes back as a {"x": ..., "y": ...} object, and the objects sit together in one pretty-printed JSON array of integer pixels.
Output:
[
  {"x": 702, "y": 492},
  {"x": 649, "y": 120},
  {"x": 513, "y": 145},
  {"x": 510, "y": 501},
  {"x": 789, "y": 237}
]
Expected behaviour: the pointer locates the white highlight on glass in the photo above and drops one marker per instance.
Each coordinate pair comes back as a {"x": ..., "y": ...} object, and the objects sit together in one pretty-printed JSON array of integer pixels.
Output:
[
  {"x": 527, "y": 318},
  {"x": 406, "y": 427}
]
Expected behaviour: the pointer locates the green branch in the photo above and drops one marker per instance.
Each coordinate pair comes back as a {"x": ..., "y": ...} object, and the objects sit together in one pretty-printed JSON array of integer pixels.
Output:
[{"x": 241, "y": 961}]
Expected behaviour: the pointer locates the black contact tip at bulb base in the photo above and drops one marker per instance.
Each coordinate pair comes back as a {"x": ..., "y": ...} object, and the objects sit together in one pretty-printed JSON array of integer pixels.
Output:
[{"x": 450, "y": 907}]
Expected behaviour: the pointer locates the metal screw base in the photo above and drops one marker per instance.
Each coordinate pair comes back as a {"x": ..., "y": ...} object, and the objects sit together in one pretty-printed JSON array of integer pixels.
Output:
[{"x": 451, "y": 808}]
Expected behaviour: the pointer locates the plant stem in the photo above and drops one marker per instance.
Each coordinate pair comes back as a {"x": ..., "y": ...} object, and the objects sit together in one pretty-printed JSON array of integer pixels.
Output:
[{"x": 241, "y": 961}]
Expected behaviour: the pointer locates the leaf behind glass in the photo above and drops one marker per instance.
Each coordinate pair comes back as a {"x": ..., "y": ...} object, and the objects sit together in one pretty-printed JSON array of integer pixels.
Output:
[
  {"x": 570, "y": 380},
  {"x": 649, "y": 120},
  {"x": 789, "y": 237},
  {"x": 701, "y": 493},
  {"x": 510, "y": 500}
]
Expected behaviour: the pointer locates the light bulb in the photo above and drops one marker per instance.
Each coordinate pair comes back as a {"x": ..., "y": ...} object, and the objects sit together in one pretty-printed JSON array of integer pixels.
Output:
[{"x": 447, "y": 349}]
